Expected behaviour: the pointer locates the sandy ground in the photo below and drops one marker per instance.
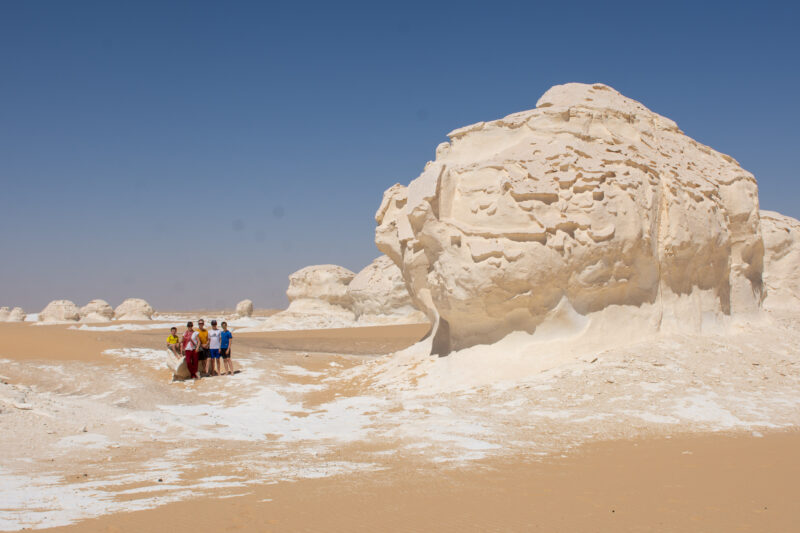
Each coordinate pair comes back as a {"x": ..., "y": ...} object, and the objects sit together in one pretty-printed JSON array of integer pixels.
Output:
[
  {"x": 318, "y": 431},
  {"x": 717, "y": 483}
]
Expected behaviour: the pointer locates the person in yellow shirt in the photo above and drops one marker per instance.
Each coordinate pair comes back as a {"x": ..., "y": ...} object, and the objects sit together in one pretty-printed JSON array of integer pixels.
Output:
[
  {"x": 202, "y": 350},
  {"x": 173, "y": 342}
]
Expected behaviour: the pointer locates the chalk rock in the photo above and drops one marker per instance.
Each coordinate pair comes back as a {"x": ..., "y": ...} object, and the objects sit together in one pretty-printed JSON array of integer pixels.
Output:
[
  {"x": 321, "y": 282},
  {"x": 134, "y": 309},
  {"x": 4, "y": 313},
  {"x": 59, "y": 311},
  {"x": 318, "y": 299},
  {"x": 590, "y": 203},
  {"x": 379, "y": 295},
  {"x": 97, "y": 311},
  {"x": 781, "y": 260},
  {"x": 244, "y": 308},
  {"x": 16, "y": 315}
]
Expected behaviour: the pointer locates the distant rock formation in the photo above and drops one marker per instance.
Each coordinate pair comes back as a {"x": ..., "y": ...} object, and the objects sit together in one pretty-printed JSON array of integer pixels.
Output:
[
  {"x": 589, "y": 204},
  {"x": 330, "y": 296},
  {"x": 16, "y": 315},
  {"x": 781, "y": 260},
  {"x": 4, "y": 312},
  {"x": 134, "y": 309},
  {"x": 60, "y": 311},
  {"x": 244, "y": 308},
  {"x": 318, "y": 298},
  {"x": 379, "y": 295},
  {"x": 97, "y": 311}
]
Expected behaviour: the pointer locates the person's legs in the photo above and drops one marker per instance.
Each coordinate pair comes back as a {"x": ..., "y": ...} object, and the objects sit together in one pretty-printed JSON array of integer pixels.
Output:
[
  {"x": 228, "y": 363},
  {"x": 202, "y": 358},
  {"x": 213, "y": 356},
  {"x": 191, "y": 363}
]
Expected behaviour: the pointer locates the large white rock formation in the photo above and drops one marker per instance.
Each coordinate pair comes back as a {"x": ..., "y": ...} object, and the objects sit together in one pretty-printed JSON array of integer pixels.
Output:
[
  {"x": 97, "y": 311},
  {"x": 244, "y": 308},
  {"x": 16, "y": 315},
  {"x": 318, "y": 298},
  {"x": 134, "y": 309},
  {"x": 379, "y": 295},
  {"x": 781, "y": 260},
  {"x": 60, "y": 311},
  {"x": 588, "y": 206}
]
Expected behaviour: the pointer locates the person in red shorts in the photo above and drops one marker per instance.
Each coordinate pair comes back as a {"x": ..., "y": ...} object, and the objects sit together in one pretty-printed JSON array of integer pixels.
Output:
[{"x": 191, "y": 340}]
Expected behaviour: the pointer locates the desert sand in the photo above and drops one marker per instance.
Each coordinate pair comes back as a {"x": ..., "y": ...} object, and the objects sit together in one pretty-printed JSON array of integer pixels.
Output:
[{"x": 98, "y": 437}]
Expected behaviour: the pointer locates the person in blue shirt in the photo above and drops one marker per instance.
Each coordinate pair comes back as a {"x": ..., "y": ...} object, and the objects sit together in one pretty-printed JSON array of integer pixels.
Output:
[{"x": 226, "y": 341}]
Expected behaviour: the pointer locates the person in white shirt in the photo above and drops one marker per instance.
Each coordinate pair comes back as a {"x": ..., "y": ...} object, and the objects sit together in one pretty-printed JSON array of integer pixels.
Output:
[{"x": 214, "y": 342}]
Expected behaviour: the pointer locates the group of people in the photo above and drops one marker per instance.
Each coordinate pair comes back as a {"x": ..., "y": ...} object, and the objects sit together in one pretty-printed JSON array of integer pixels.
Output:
[{"x": 203, "y": 347}]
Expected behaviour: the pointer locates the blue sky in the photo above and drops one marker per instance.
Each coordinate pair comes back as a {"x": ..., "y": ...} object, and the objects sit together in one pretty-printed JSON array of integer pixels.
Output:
[{"x": 197, "y": 153}]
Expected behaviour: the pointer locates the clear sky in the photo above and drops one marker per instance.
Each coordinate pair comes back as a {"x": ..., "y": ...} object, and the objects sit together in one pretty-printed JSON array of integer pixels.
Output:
[{"x": 195, "y": 153}]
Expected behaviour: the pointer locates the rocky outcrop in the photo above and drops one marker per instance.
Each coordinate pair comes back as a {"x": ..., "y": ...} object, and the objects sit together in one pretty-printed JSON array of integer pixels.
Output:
[
  {"x": 325, "y": 283},
  {"x": 330, "y": 296},
  {"x": 60, "y": 311},
  {"x": 589, "y": 204},
  {"x": 97, "y": 311},
  {"x": 781, "y": 260},
  {"x": 379, "y": 295},
  {"x": 134, "y": 309},
  {"x": 318, "y": 298},
  {"x": 244, "y": 308},
  {"x": 16, "y": 315}
]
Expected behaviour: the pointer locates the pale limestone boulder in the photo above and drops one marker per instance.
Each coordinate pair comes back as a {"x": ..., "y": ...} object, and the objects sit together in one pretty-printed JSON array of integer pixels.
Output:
[
  {"x": 781, "y": 260},
  {"x": 97, "y": 311},
  {"x": 318, "y": 299},
  {"x": 379, "y": 295},
  {"x": 60, "y": 311},
  {"x": 134, "y": 309},
  {"x": 244, "y": 308},
  {"x": 588, "y": 205},
  {"x": 16, "y": 315},
  {"x": 327, "y": 283},
  {"x": 4, "y": 313}
]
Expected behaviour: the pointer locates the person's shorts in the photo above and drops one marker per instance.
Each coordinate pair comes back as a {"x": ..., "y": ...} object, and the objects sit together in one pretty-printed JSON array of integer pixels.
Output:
[
  {"x": 213, "y": 353},
  {"x": 225, "y": 353},
  {"x": 202, "y": 354}
]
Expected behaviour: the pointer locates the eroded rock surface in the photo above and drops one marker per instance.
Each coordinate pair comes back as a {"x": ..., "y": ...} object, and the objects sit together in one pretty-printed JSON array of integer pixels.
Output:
[
  {"x": 379, "y": 295},
  {"x": 244, "y": 308},
  {"x": 60, "y": 311},
  {"x": 16, "y": 315},
  {"x": 318, "y": 298},
  {"x": 134, "y": 309},
  {"x": 97, "y": 311},
  {"x": 781, "y": 260},
  {"x": 589, "y": 203}
]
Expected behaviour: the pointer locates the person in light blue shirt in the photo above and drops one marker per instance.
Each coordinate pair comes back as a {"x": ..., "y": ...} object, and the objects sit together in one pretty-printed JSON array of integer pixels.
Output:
[{"x": 226, "y": 341}]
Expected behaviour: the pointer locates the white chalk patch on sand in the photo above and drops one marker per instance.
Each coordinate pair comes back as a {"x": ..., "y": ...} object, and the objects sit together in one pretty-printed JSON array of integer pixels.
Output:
[
  {"x": 126, "y": 327},
  {"x": 294, "y": 370}
]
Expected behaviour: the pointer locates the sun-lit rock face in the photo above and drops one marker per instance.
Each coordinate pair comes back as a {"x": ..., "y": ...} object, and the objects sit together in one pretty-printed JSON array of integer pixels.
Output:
[
  {"x": 60, "y": 311},
  {"x": 588, "y": 202},
  {"x": 781, "y": 260},
  {"x": 97, "y": 311},
  {"x": 16, "y": 315},
  {"x": 318, "y": 299},
  {"x": 244, "y": 308},
  {"x": 379, "y": 295},
  {"x": 134, "y": 309},
  {"x": 327, "y": 283}
]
